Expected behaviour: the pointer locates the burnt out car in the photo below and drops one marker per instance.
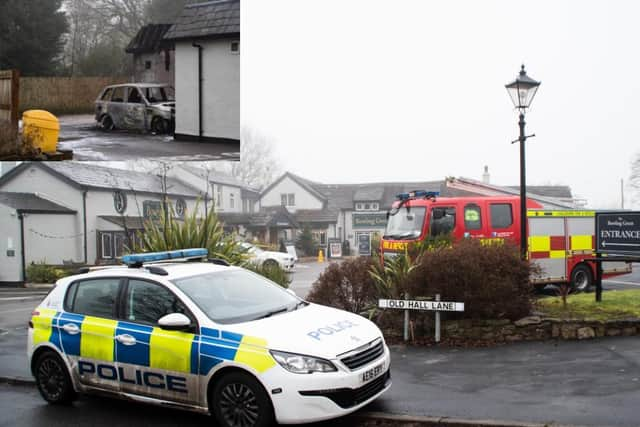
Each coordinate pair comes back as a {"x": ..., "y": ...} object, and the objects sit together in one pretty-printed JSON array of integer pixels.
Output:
[{"x": 137, "y": 106}]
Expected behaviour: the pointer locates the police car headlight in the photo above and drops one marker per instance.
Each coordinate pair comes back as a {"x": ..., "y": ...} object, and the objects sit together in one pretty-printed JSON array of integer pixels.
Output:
[{"x": 299, "y": 364}]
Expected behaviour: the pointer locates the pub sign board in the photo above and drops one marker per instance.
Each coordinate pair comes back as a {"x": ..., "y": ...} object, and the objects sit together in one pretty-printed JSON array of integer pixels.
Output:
[{"x": 618, "y": 233}]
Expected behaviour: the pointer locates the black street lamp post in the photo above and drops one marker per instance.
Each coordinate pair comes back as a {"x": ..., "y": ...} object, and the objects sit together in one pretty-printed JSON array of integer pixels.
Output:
[{"x": 522, "y": 91}]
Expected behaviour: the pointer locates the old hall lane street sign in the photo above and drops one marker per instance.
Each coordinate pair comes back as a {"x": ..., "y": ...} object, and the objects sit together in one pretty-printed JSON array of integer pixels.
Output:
[{"x": 401, "y": 304}]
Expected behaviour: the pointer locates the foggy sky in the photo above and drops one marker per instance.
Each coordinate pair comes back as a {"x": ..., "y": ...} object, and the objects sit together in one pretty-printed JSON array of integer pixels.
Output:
[{"x": 371, "y": 90}]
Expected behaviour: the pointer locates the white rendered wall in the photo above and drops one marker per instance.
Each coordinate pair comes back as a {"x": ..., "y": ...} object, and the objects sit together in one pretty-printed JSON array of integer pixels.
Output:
[
  {"x": 304, "y": 199},
  {"x": 10, "y": 267},
  {"x": 221, "y": 89}
]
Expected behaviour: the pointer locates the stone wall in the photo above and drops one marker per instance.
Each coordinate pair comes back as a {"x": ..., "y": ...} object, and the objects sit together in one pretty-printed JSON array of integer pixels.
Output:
[{"x": 534, "y": 328}]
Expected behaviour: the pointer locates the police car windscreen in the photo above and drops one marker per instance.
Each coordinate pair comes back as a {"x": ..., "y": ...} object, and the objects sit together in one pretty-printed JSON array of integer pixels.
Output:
[
  {"x": 406, "y": 223},
  {"x": 236, "y": 296}
]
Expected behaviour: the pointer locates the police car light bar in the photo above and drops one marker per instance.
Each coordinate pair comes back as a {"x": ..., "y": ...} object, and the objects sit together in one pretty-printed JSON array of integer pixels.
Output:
[
  {"x": 184, "y": 254},
  {"x": 417, "y": 195}
]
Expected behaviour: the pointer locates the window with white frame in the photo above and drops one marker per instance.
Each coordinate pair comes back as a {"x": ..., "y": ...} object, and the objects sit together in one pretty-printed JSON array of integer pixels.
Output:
[
  {"x": 320, "y": 237},
  {"x": 288, "y": 199},
  {"x": 368, "y": 207},
  {"x": 232, "y": 201},
  {"x": 107, "y": 246},
  {"x": 219, "y": 197}
]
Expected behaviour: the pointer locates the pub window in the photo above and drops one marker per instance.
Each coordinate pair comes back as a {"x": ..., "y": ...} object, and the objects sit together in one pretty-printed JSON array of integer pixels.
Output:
[
  {"x": 106, "y": 246},
  {"x": 320, "y": 237},
  {"x": 152, "y": 209},
  {"x": 119, "y": 244},
  {"x": 120, "y": 202},
  {"x": 181, "y": 208}
]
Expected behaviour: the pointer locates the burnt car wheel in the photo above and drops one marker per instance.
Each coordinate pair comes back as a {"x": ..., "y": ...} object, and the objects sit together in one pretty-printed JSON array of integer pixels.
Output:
[
  {"x": 107, "y": 123},
  {"x": 52, "y": 379},
  {"x": 160, "y": 126},
  {"x": 238, "y": 400}
]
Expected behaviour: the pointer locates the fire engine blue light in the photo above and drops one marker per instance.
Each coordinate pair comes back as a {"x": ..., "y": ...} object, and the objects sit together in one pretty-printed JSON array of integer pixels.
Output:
[
  {"x": 417, "y": 194},
  {"x": 164, "y": 256}
]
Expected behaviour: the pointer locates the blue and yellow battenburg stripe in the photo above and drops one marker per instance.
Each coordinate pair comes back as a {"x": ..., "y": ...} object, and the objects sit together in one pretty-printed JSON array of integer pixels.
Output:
[{"x": 155, "y": 348}]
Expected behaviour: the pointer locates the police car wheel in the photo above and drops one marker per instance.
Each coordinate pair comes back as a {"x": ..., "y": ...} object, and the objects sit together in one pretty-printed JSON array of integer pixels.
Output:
[
  {"x": 238, "y": 400},
  {"x": 53, "y": 379}
]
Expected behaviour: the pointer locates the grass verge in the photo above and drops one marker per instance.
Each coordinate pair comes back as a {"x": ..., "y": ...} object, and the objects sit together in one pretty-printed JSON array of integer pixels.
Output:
[{"x": 615, "y": 305}]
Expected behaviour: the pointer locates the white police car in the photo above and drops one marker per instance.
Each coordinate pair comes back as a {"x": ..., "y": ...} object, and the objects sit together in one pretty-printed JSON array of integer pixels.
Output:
[{"x": 205, "y": 337}]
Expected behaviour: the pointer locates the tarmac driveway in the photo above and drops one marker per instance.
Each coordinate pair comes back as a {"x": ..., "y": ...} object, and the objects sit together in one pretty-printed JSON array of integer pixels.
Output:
[{"x": 81, "y": 134}]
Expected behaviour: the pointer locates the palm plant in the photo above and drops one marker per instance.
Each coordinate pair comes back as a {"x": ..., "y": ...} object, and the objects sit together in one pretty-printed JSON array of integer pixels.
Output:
[{"x": 167, "y": 233}]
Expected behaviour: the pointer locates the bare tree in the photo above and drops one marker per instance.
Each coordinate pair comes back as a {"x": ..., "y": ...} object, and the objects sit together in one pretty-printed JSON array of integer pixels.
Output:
[
  {"x": 99, "y": 30},
  {"x": 634, "y": 179},
  {"x": 258, "y": 165}
]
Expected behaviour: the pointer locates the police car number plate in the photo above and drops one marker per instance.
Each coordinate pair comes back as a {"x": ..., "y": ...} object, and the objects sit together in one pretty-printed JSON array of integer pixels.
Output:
[{"x": 372, "y": 373}]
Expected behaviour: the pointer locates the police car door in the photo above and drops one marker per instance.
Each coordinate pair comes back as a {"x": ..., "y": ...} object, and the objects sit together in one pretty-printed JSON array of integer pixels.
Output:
[
  {"x": 153, "y": 362},
  {"x": 87, "y": 328}
]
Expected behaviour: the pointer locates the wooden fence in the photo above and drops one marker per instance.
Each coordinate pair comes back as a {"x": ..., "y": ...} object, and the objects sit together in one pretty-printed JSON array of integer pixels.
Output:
[
  {"x": 9, "y": 92},
  {"x": 63, "y": 95}
]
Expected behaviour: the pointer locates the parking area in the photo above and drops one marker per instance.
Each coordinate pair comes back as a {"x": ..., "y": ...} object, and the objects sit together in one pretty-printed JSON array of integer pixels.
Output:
[{"x": 81, "y": 134}]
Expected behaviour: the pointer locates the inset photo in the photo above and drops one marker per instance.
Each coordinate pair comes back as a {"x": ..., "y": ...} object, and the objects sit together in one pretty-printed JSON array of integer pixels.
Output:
[{"x": 160, "y": 80}]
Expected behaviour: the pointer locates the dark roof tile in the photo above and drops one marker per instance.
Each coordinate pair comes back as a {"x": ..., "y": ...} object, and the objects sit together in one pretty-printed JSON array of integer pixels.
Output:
[
  {"x": 93, "y": 176},
  {"x": 149, "y": 39},
  {"x": 211, "y": 19}
]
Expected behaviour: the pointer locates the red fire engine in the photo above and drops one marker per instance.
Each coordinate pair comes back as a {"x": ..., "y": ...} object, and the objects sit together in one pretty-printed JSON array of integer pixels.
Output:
[{"x": 559, "y": 241}]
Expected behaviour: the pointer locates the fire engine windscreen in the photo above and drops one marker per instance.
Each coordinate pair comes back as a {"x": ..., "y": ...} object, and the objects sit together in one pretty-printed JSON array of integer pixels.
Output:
[{"x": 405, "y": 223}]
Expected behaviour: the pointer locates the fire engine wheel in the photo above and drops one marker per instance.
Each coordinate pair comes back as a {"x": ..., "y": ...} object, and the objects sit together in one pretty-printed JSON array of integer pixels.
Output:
[
  {"x": 582, "y": 279},
  {"x": 106, "y": 123}
]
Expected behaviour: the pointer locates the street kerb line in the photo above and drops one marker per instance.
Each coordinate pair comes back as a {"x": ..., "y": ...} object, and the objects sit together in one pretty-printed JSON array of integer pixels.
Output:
[
  {"x": 620, "y": 282},
  {"x": 22, "y": 298},
  {"x": 16, "y": 311}
]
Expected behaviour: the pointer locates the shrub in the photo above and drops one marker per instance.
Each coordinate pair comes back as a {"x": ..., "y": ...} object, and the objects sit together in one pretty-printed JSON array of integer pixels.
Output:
[
  {"x": 43, "y": 273},
  {"x": 17, "y": 146},
  {"x": 491, "y": 280},
  {"x": 347, "y": 286},
  {"x": 306, "y": 243},
  {"x": 168, "y": 234},
  {"x": 275, "y": 273}
]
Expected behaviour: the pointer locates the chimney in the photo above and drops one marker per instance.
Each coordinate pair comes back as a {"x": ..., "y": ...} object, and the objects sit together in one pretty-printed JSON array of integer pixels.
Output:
[{"x": 486, "y": 178}]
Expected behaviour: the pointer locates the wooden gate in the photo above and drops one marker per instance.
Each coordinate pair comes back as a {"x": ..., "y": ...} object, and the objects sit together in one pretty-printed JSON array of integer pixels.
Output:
[{"x": 9, "y": 99}]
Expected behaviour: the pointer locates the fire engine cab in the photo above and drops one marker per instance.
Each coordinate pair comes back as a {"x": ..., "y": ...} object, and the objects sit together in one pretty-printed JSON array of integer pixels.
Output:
[{"x": 559, "y": 241}]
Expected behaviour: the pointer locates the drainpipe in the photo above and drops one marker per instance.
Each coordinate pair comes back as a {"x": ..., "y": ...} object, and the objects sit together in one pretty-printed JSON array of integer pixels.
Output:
[
  {"x": 22, "y": 251},
  {"x": 200, "y": 130},
  {"x": 84, "y": 220}
]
